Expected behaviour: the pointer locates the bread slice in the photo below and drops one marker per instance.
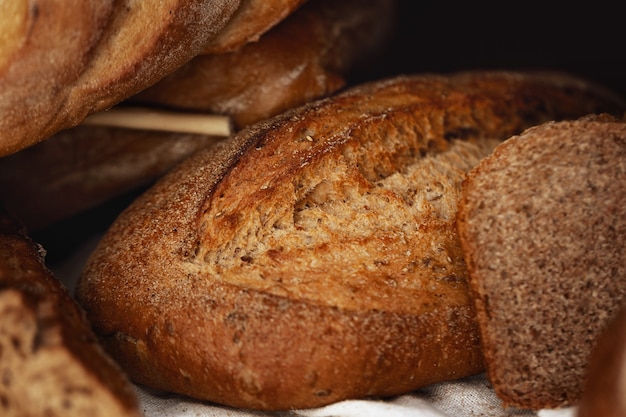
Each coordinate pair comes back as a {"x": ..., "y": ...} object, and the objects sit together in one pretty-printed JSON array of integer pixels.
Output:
[
  {"x": 50, "y": 360},
  {"x": 542, "y": 223},
  {"x": 314, "y": 257}
]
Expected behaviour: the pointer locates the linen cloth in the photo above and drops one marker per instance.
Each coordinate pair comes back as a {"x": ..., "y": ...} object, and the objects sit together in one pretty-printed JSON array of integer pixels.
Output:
[{"x": 467, "y": 397}]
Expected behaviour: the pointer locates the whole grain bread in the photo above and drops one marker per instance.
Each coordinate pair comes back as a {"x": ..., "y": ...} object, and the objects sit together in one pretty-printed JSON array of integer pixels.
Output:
[
  {"x": 314, "y": 257},
  {"x": 604, "y": 392},
  {"x": 542, "y": 223},
  {"x": 307, "y": 56},
  {"x": 50, "y": 361}
]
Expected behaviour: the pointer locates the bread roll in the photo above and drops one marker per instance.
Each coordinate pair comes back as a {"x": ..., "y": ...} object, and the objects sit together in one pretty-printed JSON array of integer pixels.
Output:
[
  {"x": 542, "y": 223},
  {"x": 604, "y": 392},
  {"x": 314, "y": 257},
  {"x": 309, "y": 55},
  {"x": 50, "y": 361},
  {"x": 61, "y": 61}
]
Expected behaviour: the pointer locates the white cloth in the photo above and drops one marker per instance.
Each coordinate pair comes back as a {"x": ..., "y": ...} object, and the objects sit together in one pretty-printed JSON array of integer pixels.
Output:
[{"x": 469, "y": 397}]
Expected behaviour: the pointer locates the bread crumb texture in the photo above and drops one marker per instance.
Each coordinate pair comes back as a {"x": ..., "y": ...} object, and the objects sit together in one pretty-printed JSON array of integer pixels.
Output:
[
  {"x": 543, "y": 222},
  {"x": 50, "y": 361},
  {"x": 314, "y": 257}
]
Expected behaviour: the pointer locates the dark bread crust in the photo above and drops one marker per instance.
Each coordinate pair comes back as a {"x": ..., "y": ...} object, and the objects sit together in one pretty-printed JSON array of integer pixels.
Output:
[
  {"x": 292, "y": 266},
  {"x": 542, "y": 225},
  {"x": 604, "y": 392},
  {"x": 51, "y": 362},
  {"x": 81, "y": 168}
]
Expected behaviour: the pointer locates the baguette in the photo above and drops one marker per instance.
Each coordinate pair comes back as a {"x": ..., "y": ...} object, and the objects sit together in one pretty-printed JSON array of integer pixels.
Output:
[
  {"x": 542, "y": 223},
  {"x": 314, "y": 257},
  {"x": 62, "y": 61},
  {"x": 250, "y": 22},
  {"x": 50, "y": 361},
  {"x": 308, "y": 55},
  {"x": 81, "y": 168}
]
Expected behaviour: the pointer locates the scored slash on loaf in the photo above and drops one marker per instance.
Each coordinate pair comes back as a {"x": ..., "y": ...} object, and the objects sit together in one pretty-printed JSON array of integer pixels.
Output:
[{"x": 272, "y": 271}]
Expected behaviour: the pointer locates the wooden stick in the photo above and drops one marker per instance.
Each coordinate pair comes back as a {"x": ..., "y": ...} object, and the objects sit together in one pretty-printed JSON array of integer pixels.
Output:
[{"x": 169, "y": 121}]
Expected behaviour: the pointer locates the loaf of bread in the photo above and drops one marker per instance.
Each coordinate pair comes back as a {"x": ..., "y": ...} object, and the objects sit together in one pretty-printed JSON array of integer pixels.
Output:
[
  {"x": 314, "y": 257},
  {"x": 50, "y": 361},
  {"x": 80, "y": 168},
  {"x": 63, "y": 60},
  {"x": 542, "y": 222},
  {"x": 306, "y": 56},
  {"x": 604, "y": 392}
]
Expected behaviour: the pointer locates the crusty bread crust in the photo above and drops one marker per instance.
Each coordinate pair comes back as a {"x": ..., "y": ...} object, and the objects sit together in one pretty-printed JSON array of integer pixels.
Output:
[
  {"x": 307, "y": 56},
  {"x": 542, "y": 224},
  {"x": 51, "y": 363},
  {"x": 314, "y": 257},
  {"x": 252, "y": 19},
  {"x": 80, "y": 168}
]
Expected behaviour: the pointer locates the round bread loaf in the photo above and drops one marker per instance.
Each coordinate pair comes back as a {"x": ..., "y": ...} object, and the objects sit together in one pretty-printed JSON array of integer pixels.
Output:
[
  {"x": 542, "y": 223},
  {"x": 314, "y": 257},
  {"x": 604, "y": 391}
]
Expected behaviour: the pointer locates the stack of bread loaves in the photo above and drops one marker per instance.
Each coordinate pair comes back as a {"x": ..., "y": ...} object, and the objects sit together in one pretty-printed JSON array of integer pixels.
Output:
[{"x": 308, "y": 55}]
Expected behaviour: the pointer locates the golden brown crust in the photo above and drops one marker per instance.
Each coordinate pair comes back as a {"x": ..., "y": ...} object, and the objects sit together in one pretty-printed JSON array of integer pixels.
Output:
[
  {"x": 542, "y": 228},
  {"x": 252, "y": 19},
  {"x": 306, "y": 57},
  {"x": 314, "y": 257},
  {"x": 604, "y": 391},
  {"x": 55, "y": 80},
  {"x": 51, "y": 362},
  {"x": 50, "y": 44}
]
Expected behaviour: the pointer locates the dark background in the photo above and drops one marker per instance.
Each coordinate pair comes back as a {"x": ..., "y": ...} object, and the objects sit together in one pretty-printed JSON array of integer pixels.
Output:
[{"x": 440, "y": 36}]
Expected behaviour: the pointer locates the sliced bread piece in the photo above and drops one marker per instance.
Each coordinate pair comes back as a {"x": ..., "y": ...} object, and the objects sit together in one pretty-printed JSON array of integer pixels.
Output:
[
  {"x": 542, "y": 223},
  {"x": 50, "y": 361}
]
